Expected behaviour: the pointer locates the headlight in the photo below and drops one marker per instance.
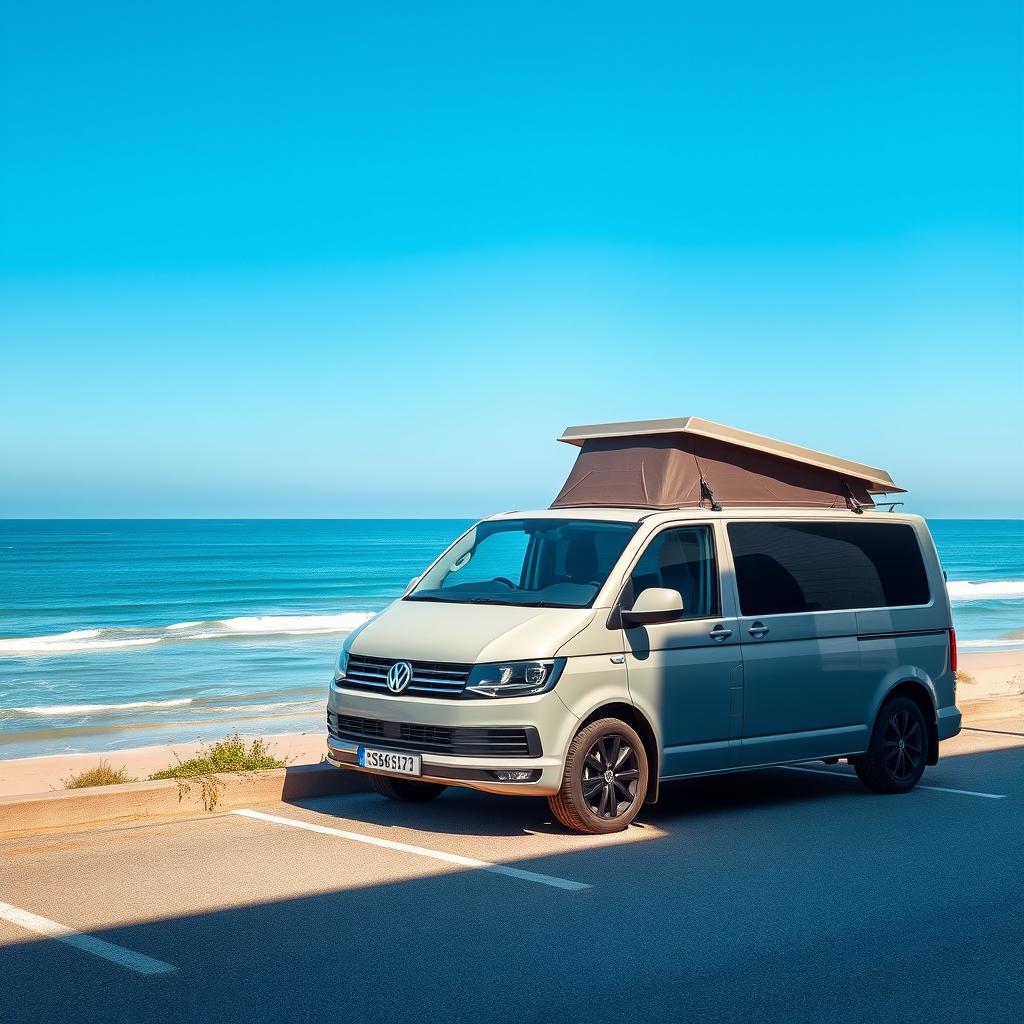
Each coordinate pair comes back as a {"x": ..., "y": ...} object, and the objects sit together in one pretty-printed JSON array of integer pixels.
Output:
[
  {"x": 514, "y": 678},
  {"x": 339, "y": 670}
]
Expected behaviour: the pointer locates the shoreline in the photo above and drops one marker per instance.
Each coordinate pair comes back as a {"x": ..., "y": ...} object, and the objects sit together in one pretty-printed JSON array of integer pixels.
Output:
[{"x": 994, "y": 674}]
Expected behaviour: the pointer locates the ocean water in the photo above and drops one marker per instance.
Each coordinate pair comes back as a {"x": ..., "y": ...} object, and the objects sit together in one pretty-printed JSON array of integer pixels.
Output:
[{"x": 122, "y": 633}]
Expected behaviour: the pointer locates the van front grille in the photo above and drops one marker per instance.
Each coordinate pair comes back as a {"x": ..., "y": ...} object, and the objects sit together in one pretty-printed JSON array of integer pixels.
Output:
[
  {"x": 429, "y": 678},
  {"x": 458, "y": 741}
]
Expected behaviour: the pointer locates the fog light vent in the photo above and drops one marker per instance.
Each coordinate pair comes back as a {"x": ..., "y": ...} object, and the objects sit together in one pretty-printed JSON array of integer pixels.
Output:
[{"x": 517, "y": 776}]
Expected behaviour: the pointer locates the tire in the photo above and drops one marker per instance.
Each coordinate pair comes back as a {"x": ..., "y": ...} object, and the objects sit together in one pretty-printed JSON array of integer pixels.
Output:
[
  {"x": 406, "y": 790},
  {"x": 898, "y": 751},
  {"x": 584, "y": 801}
]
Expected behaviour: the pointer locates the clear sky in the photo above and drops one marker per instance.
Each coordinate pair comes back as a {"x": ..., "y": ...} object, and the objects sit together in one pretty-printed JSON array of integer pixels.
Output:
[{"x": 339, "y": 259}]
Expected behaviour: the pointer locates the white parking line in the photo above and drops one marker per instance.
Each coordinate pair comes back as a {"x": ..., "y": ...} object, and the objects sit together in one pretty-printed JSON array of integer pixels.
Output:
[
  {"x": 420, "y": 851},
  {"x": 935, "y": 789},
  {"x": 138, "y": 962}
]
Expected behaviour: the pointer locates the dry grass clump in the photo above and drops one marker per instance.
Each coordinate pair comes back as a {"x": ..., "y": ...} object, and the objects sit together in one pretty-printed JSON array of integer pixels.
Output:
[{"x": 101, "y": 775}]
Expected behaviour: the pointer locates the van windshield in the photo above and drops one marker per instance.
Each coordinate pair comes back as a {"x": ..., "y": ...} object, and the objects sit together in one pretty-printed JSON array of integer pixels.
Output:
[{"x": 540, "y": 563}]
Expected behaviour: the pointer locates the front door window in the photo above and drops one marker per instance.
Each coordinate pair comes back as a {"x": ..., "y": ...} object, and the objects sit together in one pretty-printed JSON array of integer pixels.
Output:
[{"x": 683, "y": 560}]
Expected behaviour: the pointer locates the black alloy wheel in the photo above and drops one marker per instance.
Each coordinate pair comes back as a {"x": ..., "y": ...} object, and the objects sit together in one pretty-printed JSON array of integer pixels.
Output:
[
  {"x": 610, "y": 775},
  {"x": 898, "y": 751},
  {"x": 903, "y": 746},
  {"x": 604, "y": 780}
]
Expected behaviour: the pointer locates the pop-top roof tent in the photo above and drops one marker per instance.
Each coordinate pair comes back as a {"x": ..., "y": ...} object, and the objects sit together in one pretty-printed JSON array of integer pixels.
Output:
[{"x": 690, "y": 462}]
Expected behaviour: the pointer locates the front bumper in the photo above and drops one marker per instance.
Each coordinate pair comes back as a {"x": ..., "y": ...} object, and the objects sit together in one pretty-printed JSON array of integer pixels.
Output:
[{"x": 475, "y": 772}]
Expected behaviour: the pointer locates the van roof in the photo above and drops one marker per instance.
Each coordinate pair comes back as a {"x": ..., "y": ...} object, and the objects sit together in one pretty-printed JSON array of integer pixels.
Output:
[
  {"x": 689, "y": 461},
  {"x": 634, "y": 515}
]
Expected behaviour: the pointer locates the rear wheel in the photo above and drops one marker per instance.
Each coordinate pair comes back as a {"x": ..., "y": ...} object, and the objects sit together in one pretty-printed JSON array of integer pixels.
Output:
[
  {"x": 898, "y": 752},
  {"x": 405, "y": 789},
  {"x": 605, "y": 778}
]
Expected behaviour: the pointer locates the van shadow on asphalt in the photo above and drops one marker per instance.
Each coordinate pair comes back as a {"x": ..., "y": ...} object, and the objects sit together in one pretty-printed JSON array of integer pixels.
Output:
[
  {"x": 773, "y": 896},
  {"x": 466, "y": 812}
]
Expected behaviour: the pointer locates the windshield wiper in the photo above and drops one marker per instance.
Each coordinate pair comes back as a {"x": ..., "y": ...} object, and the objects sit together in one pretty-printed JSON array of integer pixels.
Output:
[
  {"x": 549, "y": 604},
  {"x": 490, "y": 600}
]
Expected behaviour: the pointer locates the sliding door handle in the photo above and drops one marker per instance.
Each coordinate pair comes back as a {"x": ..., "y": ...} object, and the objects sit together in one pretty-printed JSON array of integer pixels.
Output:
[{"x": 758, "y": 630}]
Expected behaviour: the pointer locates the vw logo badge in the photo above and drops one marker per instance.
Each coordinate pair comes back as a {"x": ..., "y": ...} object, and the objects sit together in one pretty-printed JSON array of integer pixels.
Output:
[{"x": 399, "y": 676}]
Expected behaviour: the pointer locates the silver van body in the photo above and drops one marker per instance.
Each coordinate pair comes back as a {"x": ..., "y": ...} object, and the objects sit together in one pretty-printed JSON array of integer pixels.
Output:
[{"x": 725, "y": 683}]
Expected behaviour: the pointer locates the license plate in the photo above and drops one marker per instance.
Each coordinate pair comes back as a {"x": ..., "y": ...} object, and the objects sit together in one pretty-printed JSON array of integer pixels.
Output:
[{"x": 389, "y": 761}]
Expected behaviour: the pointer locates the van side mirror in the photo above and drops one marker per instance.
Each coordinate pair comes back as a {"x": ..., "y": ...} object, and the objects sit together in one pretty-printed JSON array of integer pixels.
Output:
[
  {"x": 412, "y": 583},
  {"x": 655, "y": 604}
]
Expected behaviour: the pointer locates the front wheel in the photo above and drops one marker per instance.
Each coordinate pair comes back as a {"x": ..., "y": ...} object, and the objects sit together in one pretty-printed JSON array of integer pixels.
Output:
[
  {"x": 898, "y": 752},
  {"x": 605, "y": 779},
  {"x": 406, "y": 790}
]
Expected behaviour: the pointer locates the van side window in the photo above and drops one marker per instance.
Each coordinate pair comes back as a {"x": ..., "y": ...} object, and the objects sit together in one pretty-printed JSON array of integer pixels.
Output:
[
  {"x": 816, "y": 567},
  {"x": 680, "y": 559}
]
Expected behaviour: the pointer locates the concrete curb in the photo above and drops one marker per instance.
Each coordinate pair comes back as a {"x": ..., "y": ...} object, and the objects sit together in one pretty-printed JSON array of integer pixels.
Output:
[{"x": 168, "y": 798}]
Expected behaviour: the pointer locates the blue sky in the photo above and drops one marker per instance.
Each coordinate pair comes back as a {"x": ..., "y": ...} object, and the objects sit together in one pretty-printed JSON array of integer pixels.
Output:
[{"x": 336, "y": 259}]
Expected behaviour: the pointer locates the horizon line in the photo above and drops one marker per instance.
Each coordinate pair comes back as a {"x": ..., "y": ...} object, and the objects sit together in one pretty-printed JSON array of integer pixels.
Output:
[{"x": 376, "y": 518}]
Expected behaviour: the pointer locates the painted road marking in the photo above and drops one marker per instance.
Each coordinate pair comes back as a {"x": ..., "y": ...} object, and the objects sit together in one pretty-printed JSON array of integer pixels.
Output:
[
  {"x": 420, "y": 851},
  {"x": 935, "y": 789},
  {"x": 138, "y": 962}
]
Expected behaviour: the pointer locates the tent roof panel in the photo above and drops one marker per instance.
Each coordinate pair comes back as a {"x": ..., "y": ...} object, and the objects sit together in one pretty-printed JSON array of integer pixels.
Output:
[{"x": 877, "y": 480}]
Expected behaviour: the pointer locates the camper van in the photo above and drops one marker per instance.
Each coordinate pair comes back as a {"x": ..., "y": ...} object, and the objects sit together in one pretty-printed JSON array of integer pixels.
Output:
[{"x": 697, "y": 599}]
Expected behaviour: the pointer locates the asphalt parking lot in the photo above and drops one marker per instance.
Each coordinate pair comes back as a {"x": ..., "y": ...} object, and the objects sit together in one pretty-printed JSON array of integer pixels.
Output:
[{"x": 780, "y": 895}]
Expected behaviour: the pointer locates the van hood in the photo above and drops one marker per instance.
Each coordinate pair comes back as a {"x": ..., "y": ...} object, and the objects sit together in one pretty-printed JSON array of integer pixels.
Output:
[{"x": 467, "y": 633}]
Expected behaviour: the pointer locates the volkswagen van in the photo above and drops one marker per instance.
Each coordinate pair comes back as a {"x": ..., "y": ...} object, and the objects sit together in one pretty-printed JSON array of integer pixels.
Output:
[{"x": 591, "y": 651}]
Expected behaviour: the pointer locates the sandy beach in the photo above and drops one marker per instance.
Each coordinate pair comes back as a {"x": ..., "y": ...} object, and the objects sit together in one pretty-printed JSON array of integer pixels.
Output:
[
  {"x": 993, "y": 674},
  {"x": 986, "y": 674}
]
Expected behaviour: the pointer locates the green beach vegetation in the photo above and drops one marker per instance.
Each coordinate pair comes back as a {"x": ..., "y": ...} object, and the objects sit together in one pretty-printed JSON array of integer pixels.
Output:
[
  {"x": 227, "y": 755},
  {"x": 230, "y": 754}
]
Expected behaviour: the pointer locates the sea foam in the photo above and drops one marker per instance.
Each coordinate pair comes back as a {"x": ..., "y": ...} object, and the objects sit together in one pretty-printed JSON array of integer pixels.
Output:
[
  {"x": 995, "y": 590},
  {"x": 92, "y": 709},
  {"x": 118, "y": 637},
  {"x": 1007, "y": 643}
]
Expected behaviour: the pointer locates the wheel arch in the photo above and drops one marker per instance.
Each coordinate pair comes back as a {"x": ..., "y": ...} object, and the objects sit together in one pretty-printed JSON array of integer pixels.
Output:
[
  {"x": 631, "y": 716},
  {"x": 922, "y": 697}
]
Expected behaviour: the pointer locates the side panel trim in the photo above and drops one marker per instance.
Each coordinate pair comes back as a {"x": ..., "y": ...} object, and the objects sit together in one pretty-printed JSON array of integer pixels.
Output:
[{"x": 899, "y": 633}]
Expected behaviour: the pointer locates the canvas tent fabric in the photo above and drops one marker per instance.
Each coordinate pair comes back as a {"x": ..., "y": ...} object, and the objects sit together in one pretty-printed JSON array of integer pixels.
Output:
[{"x": 692, "y": 462}]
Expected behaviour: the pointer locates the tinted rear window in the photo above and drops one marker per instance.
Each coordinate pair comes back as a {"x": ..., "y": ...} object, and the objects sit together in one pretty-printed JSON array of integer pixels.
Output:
[{"x": 818, "y": 567}]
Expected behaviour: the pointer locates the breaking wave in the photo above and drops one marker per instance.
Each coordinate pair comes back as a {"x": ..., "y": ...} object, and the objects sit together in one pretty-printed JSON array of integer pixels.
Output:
[
  {"x": 231, "y": 704},
  {"x": 962, "y": 590},
  {"x": 120, "y": 637},
  {"x": 92, "y": 709},
  {"x": 1007, "y": 643}
]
